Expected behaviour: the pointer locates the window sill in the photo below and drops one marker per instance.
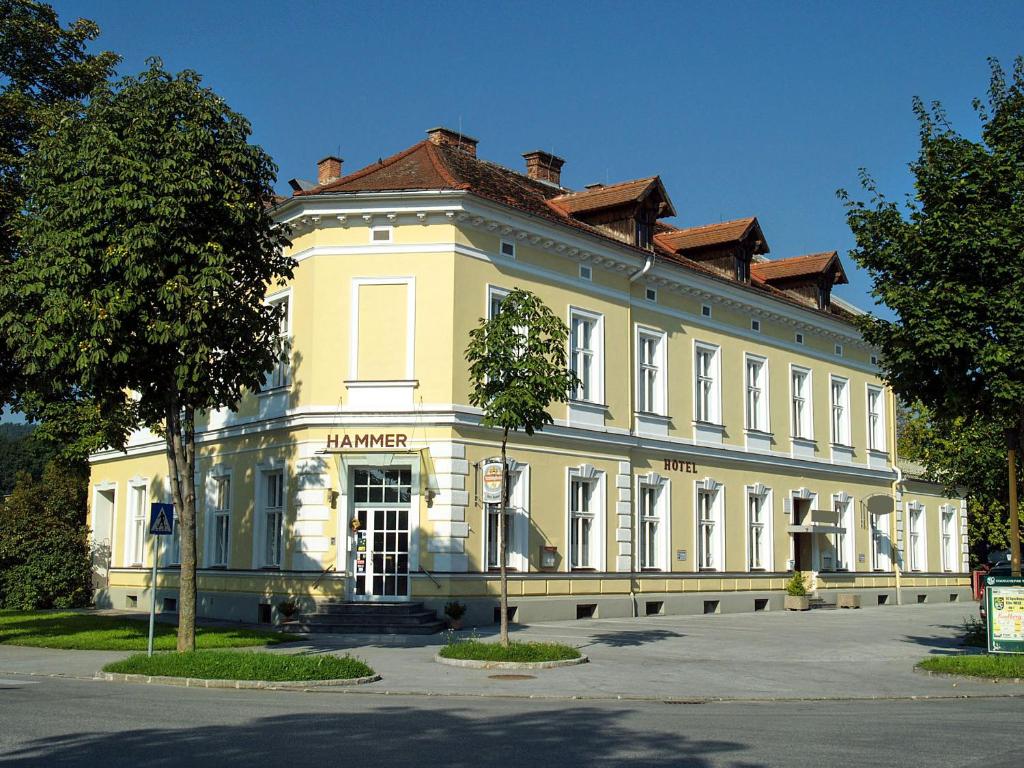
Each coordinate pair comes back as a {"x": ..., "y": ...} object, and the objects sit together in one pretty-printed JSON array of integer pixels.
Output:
[
  {"x": 844, "y": 446},
  {"x": 269, "y": 391},
  {"x": 803, "y": 440},
  {"x": 587, "y": 404},
  {"x": 708, "y": 425},
  {"x": 583, "y": 570},
  {"x": 364, "y": 383},
  {"x": 758, "y": 432},
  {"x": 653, "y": 415},
  {"x": 881, "y": 454}
]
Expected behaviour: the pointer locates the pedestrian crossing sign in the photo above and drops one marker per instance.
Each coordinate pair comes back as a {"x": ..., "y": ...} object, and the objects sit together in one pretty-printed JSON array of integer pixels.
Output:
[{"x": 161, "y": 519}]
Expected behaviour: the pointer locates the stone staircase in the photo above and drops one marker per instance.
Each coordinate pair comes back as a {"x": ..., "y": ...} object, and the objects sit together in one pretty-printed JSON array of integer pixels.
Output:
[{"x": 339, "y": 617}]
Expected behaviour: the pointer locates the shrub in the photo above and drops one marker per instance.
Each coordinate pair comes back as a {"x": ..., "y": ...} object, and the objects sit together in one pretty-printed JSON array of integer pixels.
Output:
[
  {"x": 796, "y": 586},
  {"x": 44, "y": 547},
  {"x": 454, "y": 610}
]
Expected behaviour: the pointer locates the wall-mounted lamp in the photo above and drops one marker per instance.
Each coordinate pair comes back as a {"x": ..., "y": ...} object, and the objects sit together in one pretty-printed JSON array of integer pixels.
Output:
[{"x": 429, "y": 495}]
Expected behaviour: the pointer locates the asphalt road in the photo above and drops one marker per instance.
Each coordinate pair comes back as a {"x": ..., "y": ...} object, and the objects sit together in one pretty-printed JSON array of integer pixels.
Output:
[{"x": 64, "y": 722}]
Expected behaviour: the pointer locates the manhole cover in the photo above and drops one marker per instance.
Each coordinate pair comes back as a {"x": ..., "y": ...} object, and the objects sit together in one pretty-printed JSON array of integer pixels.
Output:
[{"x": 512, "y": 677}]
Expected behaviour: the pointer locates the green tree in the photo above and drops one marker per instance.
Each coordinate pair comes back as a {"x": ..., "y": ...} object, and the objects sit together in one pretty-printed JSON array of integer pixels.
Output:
[
  {"x": 950, "y": 265},
  {"x": 44, "y": 71},
  {"x": 44, "y": 552},
  {"x": 964, "y": 457},
  {"x": 148, "y": 247},
  {"x": 517, "y": 368}
]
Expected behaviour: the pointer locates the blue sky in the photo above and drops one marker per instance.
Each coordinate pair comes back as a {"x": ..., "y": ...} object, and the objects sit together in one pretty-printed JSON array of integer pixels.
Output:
[{"x": 743, "y": 108}]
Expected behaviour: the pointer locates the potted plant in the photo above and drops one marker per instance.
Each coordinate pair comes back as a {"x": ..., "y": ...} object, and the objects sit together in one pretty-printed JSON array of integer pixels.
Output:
[
  {"x": 796, "y": 594},
  {"x": 289, "y": 609},
  {"x": 454, "y": 611}
]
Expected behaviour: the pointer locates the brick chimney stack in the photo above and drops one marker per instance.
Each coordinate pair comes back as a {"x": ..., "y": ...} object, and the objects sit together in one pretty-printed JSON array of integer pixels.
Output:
[
  {"x": 446, "y": 137},
  {"x": 543, "y": 166},
  {"x": 328, "y": 170}
]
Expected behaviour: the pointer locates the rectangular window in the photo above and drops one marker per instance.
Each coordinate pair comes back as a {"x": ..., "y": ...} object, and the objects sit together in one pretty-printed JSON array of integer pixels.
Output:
[
  {"x": 651, "y": 294},
  {"x": 706, "y": 384},
  {"x": 915, "y": 542},
  {"x": 650, "y": 528},
  {"x": 508, "y": 248},
  {"x": 706, "y": 543},
  {"x": 380, "y": 234},
  {"x": 220, "y": 521},
  {"x": 585, "y": 272},
  {"x": 584, "y": 355},
  {"x": 840, "y": 402},
  {"x": 494, "y": 298},
  {"x": 876, "y": 419},
  {"x": 757, "y": 393},
  {"x": 651, "y": 382},
  {"x": 280, "y": 376},
  {"x": 273, "y": 518},
  {"x": 137, "y": 526},
  {"x": 842, "y": 510},
  {"x": 493, "y": 520},
  {"x": 948, "y": 540},
  {"x": 582, "y": 543},
  {"x": 757, "y": 520},
  {"x": 800, "y": 388}
]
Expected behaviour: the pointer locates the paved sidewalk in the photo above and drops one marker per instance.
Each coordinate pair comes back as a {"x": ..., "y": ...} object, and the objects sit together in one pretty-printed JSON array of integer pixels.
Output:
[{"x": 869, "y": 653}]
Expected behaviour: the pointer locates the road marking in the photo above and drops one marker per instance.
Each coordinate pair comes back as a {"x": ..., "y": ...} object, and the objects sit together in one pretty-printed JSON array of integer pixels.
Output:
[{"x": 18, "y": 682}]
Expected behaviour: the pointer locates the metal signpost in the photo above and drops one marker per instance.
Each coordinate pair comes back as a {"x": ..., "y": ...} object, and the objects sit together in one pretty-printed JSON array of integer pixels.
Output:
[
  {"x": 1004, "y": 602},
  {"x": 161, "y": 523}
]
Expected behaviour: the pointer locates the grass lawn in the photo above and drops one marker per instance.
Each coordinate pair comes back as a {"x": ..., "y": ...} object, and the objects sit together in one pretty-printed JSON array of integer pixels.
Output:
[
  {"x": 982, "y": 665},
  {"x": 242, "y": 665},
  {"x": 86, "y": 631},
  {"x": 480, "y": 651}
]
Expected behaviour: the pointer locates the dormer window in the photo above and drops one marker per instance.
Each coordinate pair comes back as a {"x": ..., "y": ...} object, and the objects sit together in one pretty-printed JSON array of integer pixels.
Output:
[{"x": 742, "y": 269}]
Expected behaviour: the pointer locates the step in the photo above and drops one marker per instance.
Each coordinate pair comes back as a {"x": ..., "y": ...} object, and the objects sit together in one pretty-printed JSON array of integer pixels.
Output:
[
  {"x": 364, "y": 629},
  {"x": 338, "y": 608},
  {"x": 422, "y": 617}
]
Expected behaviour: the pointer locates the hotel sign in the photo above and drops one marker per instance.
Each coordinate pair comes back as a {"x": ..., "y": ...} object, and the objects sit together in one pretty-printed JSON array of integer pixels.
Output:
[
  {"x": 389, "y": 440},
  {"x": 675, "y": 465}
]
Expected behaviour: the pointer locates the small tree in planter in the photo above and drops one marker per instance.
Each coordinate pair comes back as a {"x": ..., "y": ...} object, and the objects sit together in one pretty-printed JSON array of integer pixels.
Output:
[
  {"x": 454, "y": 611},
  {"x": 796, "y": 593},
  {"x": 289, "y": 609}
]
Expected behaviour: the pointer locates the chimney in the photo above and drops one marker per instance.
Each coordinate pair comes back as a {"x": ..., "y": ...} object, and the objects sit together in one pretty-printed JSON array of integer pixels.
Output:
[
  {"x": 328, "y": 170},
  {"x": 446, "y": 137},
  {"x": 543, "y": 166}
]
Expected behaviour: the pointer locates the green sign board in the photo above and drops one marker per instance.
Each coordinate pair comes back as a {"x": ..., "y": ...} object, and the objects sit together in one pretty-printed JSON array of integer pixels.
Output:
[{"x": 1004, "y": 602}]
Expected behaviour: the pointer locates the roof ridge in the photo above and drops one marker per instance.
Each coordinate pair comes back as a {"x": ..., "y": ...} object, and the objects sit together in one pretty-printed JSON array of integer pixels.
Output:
[
  {"x": 606, "y": 187},
  {"x": 748, "y": 219},
  {"x": 440, "y": 166}
]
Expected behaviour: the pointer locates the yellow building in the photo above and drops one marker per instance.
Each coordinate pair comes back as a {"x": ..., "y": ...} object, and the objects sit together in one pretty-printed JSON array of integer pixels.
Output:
[{"x": 730, "y": 427}]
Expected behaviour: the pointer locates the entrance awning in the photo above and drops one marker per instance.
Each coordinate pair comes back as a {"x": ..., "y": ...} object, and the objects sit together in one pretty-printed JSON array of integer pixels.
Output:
[{"x": 814, "y": 528}]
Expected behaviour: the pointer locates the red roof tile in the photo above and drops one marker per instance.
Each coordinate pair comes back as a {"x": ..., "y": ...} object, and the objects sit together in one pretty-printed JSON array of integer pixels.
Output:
[
  {"x": 799, "y": 266},
  {"x": 707, "y": 235},
  {"x": 610, "y": 196}
]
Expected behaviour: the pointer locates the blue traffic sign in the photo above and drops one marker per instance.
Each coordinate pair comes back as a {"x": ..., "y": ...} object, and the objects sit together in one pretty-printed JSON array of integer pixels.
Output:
[{"x": 161, "y": 519}]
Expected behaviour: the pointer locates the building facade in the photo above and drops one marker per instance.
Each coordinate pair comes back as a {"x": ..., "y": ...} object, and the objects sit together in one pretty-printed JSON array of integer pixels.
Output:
[{"x": 730, "y": 426}]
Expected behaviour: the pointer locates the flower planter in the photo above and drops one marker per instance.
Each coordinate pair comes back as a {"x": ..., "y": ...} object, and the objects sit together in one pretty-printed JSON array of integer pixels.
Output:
[{"x": 797, "y": 603}]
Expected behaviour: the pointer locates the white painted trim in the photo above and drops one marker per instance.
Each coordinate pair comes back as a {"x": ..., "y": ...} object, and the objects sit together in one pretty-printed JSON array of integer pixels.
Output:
[
  {"x": 410, "y": 322},
  {"x": 715, "y": 406},
  {"x": 134, "y": 484},
  {"x": 661, "y": 388},
  {"x": 765, "y": 392},
  {"x": 884, "y": 421},
  {"x": 793, "y": 368},
  {"x": 768, "y": 515},
  {"x": 844, "y": 439},
  {"x": 599, "y": 508},
  {"x": 717, "y": 490},
  {"x": 664, "y": 514},
  {"x": 597, "y": 339},
  {"x": 209, "y": 547}
]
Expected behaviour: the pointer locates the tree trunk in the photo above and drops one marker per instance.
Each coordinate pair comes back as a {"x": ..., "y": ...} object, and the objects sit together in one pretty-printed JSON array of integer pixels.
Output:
[
  {"x": 1011, "y": 455},
  {"x": 181, "y": 447},
  {"x": 503, "y": 543}
]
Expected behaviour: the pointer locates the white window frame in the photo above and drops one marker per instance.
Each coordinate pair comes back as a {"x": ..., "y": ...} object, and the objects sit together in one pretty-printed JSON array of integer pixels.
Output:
[
  {"x": 137, "y": 523},
  {"x": 766, "y": 522},
  {"x": 596, "y": 354},
  {"x": 758, "y": 416},
  {"x": 494, "y": 293},
  {"x": 652, "y": 553},
  {"x": 802, "y": 422},
  {"x": 214, "y": 512},
  {"x": 710, "y": 549},
  {"x": 596, "y": 511},
  {"x": 263, "y": 509},
  {"x": 842, "y": 505},
  {"x": 387, "y": 229},
  {"x": 652, "y": 372},
  {"x": 280, "y": 377},
  {"x": 839, "y": 411},
  {"x": 712, "y": 414},
  {"x": 876, "y": 420},
  {"x": 917, "y": 541},
  {"x": 947, "y": 538},
  {"x": 410, "y": 322}
]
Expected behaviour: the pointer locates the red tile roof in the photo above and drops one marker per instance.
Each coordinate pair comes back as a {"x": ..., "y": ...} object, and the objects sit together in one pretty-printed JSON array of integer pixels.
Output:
[
  {"x": 598, "y": 198},
  {"x": 799, "y": 266},
  {"x": 427, "y": 166},
  {"x": 693, "y": 238}
]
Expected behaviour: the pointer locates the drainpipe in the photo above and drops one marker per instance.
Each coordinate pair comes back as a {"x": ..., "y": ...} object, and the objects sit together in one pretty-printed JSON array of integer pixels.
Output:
[{"x": 648, "y": 265}]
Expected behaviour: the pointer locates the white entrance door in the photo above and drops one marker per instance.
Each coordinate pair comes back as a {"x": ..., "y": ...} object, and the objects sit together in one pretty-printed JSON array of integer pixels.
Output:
[{"x": 382, "y": 498}]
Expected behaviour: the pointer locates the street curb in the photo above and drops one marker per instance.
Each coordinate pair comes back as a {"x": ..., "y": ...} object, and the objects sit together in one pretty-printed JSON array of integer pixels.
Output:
[
  {"x": 974, "y": 678},
  {"x": 193, "y": 682},
  {"x": 475, "y": 664}
]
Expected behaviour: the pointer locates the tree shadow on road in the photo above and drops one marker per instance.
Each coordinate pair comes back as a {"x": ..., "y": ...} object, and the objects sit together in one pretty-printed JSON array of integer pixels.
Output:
[
  {"x": 632, "y": 638},
  {"x": 389, "y": 736}
]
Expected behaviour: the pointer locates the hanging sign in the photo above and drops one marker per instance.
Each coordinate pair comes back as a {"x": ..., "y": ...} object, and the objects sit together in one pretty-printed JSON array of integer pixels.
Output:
[
  {"x": 1004, "y": 596},
  {"x": 492, "y": 474}
]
